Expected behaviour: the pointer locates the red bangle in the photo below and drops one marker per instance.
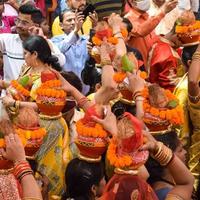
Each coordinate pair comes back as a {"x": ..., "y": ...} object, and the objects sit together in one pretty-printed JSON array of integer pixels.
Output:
[{"x": 82, "y": 101}]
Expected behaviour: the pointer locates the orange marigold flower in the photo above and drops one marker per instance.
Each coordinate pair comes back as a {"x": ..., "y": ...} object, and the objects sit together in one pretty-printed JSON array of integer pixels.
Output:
[
  {"x": 96, "y": 41},
  {"x": 113, "y": 40}
]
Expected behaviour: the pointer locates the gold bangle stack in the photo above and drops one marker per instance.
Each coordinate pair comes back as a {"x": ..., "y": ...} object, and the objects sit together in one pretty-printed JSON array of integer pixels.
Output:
[
  {"x": 15, "y": 108},
  {"x": 196, "y": 56},
  {"x": 163, "y": 154},
  {"x": 194, "y": 98},
  {"x": 173, "y": 197},
  {"x": 137, "y": 96},
  {"x": 106, "y": 62}
]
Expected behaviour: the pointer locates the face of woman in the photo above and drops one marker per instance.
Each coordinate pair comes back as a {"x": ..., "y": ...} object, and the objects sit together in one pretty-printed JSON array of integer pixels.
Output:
[
  {"x": 29, "y": 58},
  {"x": 181, "y": 152}
]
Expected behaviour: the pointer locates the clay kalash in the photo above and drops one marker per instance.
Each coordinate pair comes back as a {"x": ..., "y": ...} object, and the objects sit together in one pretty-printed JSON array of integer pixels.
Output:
[
  {"x": 188, "y": 29},
  {"x": 6, "y": 127},
  {"x": 92, "y": 139},
  {"x": 123, "y": 152},
  {"x": 27, "y": 125},
  {"x": 161, "y": 109},
  {"x": 50, "y": 98}
]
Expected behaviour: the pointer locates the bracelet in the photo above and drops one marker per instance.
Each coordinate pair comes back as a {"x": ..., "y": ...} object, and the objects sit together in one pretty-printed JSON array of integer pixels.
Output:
[
  {"x": 139, "y": 98},
  {"x": 82, "y": 101},
  {"x": 120, "y": 37},
  {"x": 117, "y": 33},
  {"x": 173, "y": 197},
  {"x": 106, "y": 62},
  {"x": 22, "y": 169},
  {"x": 19, "y": 161},
  {"x": 136, "y": 94},
  {"x": 163, "y": 154},
  {"x": 194, "y": 98},
  {"x": 196, "y": 56}
]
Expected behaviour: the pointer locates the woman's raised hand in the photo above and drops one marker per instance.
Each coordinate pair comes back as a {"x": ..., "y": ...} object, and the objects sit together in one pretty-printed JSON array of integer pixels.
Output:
[
  {"x": 109, "y": 122},
  {"x": 136, "y": 83},
  {"x": 14, "y": 148},
  {"x": 66, "y": 86}
]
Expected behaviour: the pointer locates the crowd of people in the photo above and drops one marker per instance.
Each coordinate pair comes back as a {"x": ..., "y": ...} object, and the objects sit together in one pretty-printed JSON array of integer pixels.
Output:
[{"x": 102, "y": 103}]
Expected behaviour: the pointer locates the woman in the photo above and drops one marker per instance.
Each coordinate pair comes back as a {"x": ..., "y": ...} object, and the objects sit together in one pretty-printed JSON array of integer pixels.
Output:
[
  {"x": 50, "y": 157},
  {"x": 160, "y": 178},
  {"x": 84, "y": 180},
  {"x": 121, "y": 185},
  {"x": 194, "y": 104},
  {"x": 13, "y": 185}
]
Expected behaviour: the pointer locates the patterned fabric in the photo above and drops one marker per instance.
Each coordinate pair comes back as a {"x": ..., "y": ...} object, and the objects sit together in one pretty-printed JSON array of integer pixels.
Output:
[
  {"x": 9, "y": 188},
  {"x": 194, "y": 151},
  {"x": 54, "y": 154},
  {"x": 123, "y": 187},
  {"x": 166, "y": 68},
  {"x": 181, "y": 92}
]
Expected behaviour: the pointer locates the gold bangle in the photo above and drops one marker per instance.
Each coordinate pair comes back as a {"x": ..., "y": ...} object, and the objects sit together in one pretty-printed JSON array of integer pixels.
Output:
[
  {"x": 117, "y": 33},
  {"x": 17, "y": 105},
  {"x": 163, "y": 154},
  {"x": 106, "y": 62},
  {"x": 173, "y": 197},
  {"x": 194, "y": 98}
]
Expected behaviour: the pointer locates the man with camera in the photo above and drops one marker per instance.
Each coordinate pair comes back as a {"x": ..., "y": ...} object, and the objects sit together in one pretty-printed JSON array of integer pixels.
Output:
[
  {"x": 89, "y": 17},
  {"x": 73, "y": 46}
]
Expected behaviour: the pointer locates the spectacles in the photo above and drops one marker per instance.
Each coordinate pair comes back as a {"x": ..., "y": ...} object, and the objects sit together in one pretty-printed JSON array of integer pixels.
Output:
[{"x": 23, "y": 22}]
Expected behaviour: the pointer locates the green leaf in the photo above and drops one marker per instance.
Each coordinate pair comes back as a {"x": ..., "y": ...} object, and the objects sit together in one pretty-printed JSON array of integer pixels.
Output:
[
  {"x": 172, "y": 104},
  {"x": 24, "y": 81},
  {"x": 127, "y": 65}
]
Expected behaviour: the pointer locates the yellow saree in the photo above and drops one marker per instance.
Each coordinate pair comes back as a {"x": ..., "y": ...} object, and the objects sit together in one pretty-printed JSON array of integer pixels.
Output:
[{"x": 54, "y": 153}]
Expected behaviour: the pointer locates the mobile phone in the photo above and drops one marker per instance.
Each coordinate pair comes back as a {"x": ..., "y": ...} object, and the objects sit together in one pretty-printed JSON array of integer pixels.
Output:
[
  {"x": 92, "y": 33},
  {"x": 88, "y": 9}
]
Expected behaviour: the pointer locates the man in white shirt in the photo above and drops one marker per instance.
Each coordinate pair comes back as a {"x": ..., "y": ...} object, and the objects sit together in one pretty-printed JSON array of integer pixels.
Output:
[
  {"x": 167, "y": 23},
  {"x": 11, "y": 44}
]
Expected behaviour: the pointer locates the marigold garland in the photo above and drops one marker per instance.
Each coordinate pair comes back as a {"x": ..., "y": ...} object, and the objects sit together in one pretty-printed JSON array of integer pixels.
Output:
[
  {"x": 52, "y": 84},
  {"x": 113, "y": 40},
  {"x": 115, "y": 160},
  {"x": 32, "y": 134},
  {"x": 49, "y": 92},
  {"x": 3, "y": 143},
  {"x": 174, "y": 116},
  {"x": 187, "y": 29},
  {"x": 96, "y": 131},
  {"x": 20, "y": 88},
  {"x": 119, "y": 77}
]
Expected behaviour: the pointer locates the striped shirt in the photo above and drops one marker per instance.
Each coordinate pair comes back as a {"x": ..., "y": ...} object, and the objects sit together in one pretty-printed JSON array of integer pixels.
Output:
[
  {"x": 13, "y": 55},
  {"x": 106, "y": 7}
]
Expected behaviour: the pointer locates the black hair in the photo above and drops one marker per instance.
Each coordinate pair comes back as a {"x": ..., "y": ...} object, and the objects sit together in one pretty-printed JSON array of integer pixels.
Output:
[
  {"x": 80, "y": 176},
  {"x": 90, "y": 75},
  {"x": 40, "y": 45},
  {"x": 29, "y": 9},
  {"x": 188, "y": 53},
  {"x": 73, "y": 79},
  {"x": 120, "y": 107},
  {"x": 156, "y": 171},
  {"x": 61, "y": 15},
  {"x": 128, "y": 24}
]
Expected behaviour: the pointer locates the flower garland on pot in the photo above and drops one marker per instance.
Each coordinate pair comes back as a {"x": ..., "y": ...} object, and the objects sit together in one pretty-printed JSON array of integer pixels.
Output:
[{"x": 172, "y": 113}]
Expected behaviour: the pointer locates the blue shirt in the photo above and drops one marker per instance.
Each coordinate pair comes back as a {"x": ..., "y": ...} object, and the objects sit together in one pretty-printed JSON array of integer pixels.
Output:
[{"x": 74, "y": 48}]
